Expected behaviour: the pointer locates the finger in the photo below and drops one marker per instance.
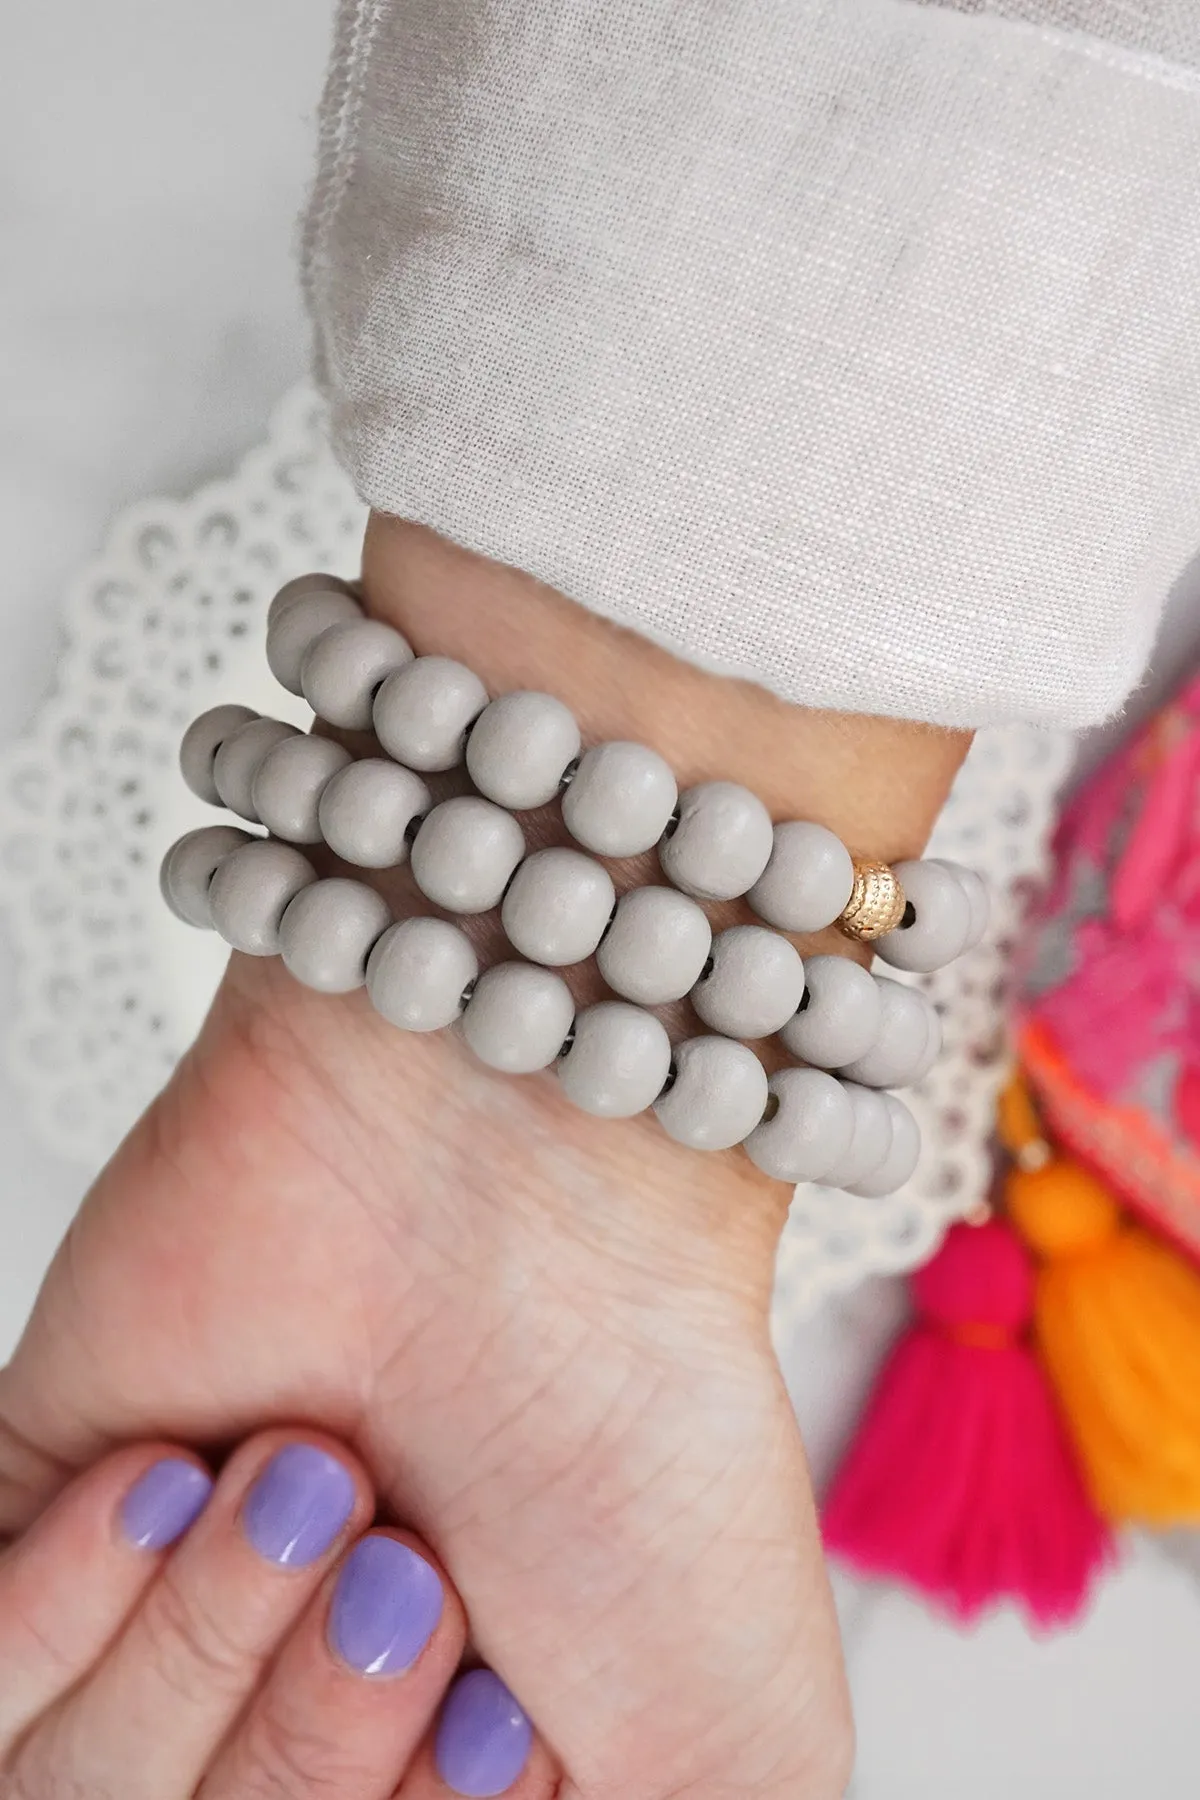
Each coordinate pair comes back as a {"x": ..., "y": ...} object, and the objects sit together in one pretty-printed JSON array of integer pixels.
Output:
[
  {"x": 153, "y": 1714},
  {"x": 355, "y": 1688},
  {"x": 68, "y": 1585},
  {"x": 483, "y": 1746}
]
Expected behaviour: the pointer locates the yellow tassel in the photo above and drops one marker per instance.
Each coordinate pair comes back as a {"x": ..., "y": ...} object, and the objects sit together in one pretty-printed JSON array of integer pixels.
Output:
[{"x": 1117, "y": 1322}]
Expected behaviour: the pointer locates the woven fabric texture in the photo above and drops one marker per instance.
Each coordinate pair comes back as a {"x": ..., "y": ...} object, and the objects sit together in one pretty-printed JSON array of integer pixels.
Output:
[{"x": 850, "y": 345}]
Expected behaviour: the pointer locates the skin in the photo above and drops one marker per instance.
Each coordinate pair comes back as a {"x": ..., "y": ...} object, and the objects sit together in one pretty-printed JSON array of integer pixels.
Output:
[{"x": 545, "y": 1335}]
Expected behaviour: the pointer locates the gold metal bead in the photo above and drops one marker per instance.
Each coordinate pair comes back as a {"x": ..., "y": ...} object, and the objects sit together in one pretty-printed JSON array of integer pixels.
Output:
[{"x": 876, "y": 903}]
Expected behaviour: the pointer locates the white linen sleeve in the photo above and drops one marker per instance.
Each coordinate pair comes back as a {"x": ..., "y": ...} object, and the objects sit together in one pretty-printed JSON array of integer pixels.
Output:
[{"x": 850, "y": 345}]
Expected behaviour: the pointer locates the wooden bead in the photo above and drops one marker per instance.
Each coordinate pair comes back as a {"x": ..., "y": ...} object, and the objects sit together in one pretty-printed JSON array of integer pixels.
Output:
[
  {"x": 808, "y": 881},
  {"x": 419, "y": 973},
  {"x": 319, "y": 582},
  {"x": 345, "y": 666},
  {"x": 367, "y": 810},
  {"x": 872, "y": 1139},
  {"x": 720, "y": 844},
  {"x": 465, "y": 853},
  {"x": 754, "y": 983},
  {"x": 296, "y": 628},
  {"x": 239, "y": 758},
  {"x": 904, "y": 1153},
  {"x": 618, "y": 1060},
  {"x": 936, "y": 923},
  {"x": 717, "y": 1096},
  {"x": 810, "y": 1131},
  {"x": 328, "y": 931},
  {"x": 838, "y": 1019},
  {"x": 201, "y": 741},
  {"x": 656, "y": 947},
  {"x": 518, "y": 1017},
  {"x": 421, "y": 713},
  {"x": 620, "y": 799},
  {"x": 557, "y": 906},
  {"x": 519, "y": 749},
  {"x": 900, "y": 1051},
  {"x": 252, "y": 889},
  {"x": 188, "y": 869},
  {"x": 288, "y": 784}
]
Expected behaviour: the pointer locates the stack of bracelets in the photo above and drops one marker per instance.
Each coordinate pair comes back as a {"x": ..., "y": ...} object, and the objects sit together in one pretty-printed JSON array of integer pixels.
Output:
[{"x": 854, "y": 1034}]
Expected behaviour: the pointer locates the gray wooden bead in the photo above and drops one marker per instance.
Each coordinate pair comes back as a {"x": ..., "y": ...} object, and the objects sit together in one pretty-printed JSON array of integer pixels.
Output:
[
  {"x": 366, "y": 810},
  {"x": 237, "y": 762},
  {"x": 721, "y": 844},
  {"x": 465, "y": 852},
  {"x": 297, "y": 626},
  {"x": 906, "y": 1019},
  {"x": 717, "y": 1096},
  {"x": 345, "y": 666},
  {"x": 288, "y": 784},
  {"x": 618, "y": 1061},
  {"x": 656, "y": 946},
  {"x": 807, "y": 881},
  {"x": 520, "y": 747},
  {"x": 810, "y": 1131},
  {"x": 251, "y": 891},
  {"x": 942, "y": 924},
  {"x": 903, "y": 1155},
  {"x": 839, "y": 1016},
  {"x": 979, "y": 902},
  {"x": 620, "y": 799},
  {"x": 518, "y": 1017},
  {"x": 319, "y": 582},
  {"x": 328, "y": 931},
  {"x": 419, "y": 972},
  {"x": 422, "y": 712},
  {"x": 188, "y": 869},
  {"x": 754, "y": 983},
  {"x": 201, "y": 741},
  {"x": 872, "y": 1139},
  {"x": 557, "y": 906},
  {"x": 933, "y": 1048}
]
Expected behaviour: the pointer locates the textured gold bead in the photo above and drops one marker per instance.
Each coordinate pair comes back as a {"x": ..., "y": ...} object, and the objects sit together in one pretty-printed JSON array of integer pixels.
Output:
[{"x": 876, "y": 903}]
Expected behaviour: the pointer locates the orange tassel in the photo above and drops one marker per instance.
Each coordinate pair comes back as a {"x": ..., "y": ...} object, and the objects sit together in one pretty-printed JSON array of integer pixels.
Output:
[{"x": 1117, "y": 1324}]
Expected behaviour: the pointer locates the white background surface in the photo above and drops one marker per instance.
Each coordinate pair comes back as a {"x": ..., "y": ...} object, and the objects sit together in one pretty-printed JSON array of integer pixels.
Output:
[{"x": 153, "y": 158}]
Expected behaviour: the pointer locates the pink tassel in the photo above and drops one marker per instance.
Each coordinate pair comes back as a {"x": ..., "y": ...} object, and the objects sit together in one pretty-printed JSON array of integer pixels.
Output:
[{"x": 961, "y": 1482}]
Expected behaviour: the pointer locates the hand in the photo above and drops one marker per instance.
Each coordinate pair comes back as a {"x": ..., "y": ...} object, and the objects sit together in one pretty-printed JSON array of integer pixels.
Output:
[
  {"x": 546, "y": 1334},
  {"x": 162, "y": 1638}
]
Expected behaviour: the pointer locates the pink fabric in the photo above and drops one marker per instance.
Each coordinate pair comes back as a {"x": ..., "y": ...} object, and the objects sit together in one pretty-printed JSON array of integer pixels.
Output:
[{"x": 1113, "y": 983}]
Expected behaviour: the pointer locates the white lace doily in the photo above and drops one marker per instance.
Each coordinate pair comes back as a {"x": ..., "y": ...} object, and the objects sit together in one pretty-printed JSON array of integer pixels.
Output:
[{"x": 167, "y": 621}]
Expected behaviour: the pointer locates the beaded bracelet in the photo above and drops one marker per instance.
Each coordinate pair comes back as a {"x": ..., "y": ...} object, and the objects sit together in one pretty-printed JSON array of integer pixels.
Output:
[
  {"x": 653, "y": 945},
  {"x": 559, "y": 905}
]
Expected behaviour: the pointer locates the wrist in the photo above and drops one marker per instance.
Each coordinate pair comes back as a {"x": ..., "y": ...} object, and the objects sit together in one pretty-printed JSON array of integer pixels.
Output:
[{"x": 879, "y": 783}]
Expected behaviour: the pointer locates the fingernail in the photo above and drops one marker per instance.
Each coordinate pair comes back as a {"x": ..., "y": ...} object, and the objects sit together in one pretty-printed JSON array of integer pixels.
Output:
[
  {"x": 163, "y": 1502},
  {"x": 386, "y": 1607},
  {"x": 299, "y": 1506},
  {"x": 484, "y": 1737}
]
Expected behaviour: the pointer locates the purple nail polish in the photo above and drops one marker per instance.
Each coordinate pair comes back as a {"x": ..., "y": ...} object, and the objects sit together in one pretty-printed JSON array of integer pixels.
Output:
[
  {"x": 163, "y": 1502},
  {"x": 386, "y": 1607},
  {"x": 483, "y": 1739},
  {"x": 299, "y": 1506}
]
